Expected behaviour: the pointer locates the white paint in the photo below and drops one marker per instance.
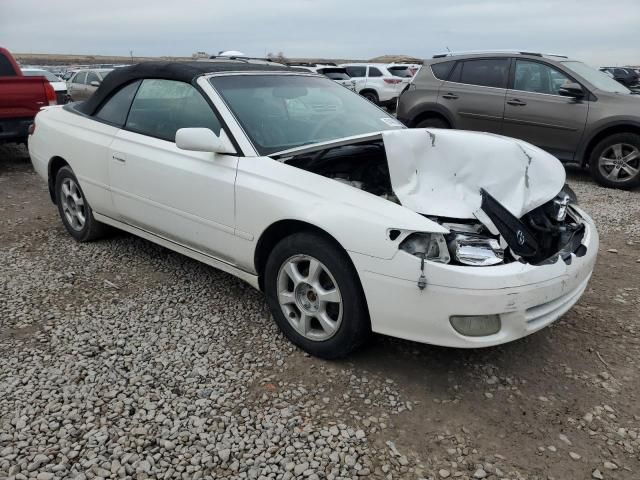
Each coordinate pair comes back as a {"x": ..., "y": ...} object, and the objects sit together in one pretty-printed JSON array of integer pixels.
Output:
[
  {"x": 216, "y": 207},
  {"x": 440, "y": 172}
]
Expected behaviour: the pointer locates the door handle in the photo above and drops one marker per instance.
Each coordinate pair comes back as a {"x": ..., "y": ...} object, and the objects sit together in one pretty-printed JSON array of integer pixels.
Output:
[
  {"x": 516, "y": 102},
  {"x": 450, "y": 96},
  {"x": 119, "y": 158}
]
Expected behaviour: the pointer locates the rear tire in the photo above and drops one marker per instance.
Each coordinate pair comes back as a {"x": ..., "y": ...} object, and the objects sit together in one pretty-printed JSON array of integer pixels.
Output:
[
  {"x": 432, "y": 122},
  {"x": 615, "y": 161},
  {"x": 74, "y": 209},
  {"x": 372, "y": 97},
  {"x": 325, "y": 314}
]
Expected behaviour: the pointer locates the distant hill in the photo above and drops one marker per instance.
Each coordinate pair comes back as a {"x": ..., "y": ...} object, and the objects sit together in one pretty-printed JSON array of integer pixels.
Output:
[{"x": 396, "y": 59}]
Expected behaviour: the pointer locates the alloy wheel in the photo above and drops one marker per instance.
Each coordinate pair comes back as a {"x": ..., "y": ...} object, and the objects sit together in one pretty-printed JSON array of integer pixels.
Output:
[
  {"x": 309, "y": 297},
  {"x": 73, "y": 205},
  {"x": 619, "y": 162}
]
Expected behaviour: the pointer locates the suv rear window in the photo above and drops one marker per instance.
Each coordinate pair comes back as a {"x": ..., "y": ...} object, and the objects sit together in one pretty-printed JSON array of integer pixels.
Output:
[
  {"x": 402, "y": 72},
  {"x": 490, "y": 72},
  {"x": 441, "y": 70},
  {"x": 374, "y": 72},
  {"x": 356, "y": 71}
]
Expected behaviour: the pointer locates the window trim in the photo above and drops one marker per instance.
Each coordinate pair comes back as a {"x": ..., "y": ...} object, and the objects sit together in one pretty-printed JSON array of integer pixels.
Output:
[{"x": 512, "y": 79}]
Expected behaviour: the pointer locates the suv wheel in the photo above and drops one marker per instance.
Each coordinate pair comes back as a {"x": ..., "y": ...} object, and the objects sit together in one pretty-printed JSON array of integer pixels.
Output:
[
  {"x": 432, "y": 122},
  {"x": 371, "y": 96},
  {"x": 314, "y": 294},
  {"x": 74, "y": 209},
  {"x": 615, "y": 161}
]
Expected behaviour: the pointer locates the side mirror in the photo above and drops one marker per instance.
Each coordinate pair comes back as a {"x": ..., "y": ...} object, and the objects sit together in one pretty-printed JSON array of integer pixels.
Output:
[
  {"x": 95, "y": 83},
  {"x": 571, "y": 89},
  {"x": 203, "y": 140}
]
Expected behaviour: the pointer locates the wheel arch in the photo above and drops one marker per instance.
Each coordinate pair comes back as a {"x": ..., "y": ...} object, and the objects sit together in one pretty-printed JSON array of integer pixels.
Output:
[
  {"x": 432, "y": 110},
  {"x": 604, "y": 132},
  {"x": 369, "y": 90},
  {"x": 55, "y": 164},
  {"x": 279, "y": 230}
]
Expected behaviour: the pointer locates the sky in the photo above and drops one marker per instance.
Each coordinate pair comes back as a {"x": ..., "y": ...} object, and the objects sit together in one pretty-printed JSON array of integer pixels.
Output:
[{"x": 596, "y": 31}]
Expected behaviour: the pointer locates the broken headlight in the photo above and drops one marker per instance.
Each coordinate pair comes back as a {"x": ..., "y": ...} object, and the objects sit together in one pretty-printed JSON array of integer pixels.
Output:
[
  {"x": 430, "y": 246},
  {"x": 470, "y": 249},
  {"x": 559, "y": 205}
]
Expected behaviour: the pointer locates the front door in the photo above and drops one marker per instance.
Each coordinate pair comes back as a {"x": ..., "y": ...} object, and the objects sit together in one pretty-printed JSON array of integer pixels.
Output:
[
  {"x": 474, "y": 94},
  {"x": 536, "y": 112},
  {"x": 183, "y": 196}
]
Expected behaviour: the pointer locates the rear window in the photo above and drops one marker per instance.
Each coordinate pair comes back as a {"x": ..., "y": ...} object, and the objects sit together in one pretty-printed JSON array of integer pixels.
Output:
[
  {"x": 441, "y": 70},
  {"x": 374, "y": 72},
  {"x": 491, "y": 72},
  {"x": 335, "y": 75},
  {"x": 356, "y": 71},
  {"x": 6, "y": 68},
  {"x": 402, "y": 72},
  {"x": 115, "y": 110}
]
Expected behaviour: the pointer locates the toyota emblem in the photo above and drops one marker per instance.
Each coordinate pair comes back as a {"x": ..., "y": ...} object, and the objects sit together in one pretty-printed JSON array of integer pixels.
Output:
[{"x": 520, "y": 236}]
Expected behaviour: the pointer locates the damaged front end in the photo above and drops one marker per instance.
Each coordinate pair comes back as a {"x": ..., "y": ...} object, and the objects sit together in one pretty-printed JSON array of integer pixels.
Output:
[{"x": 502, "y": 200}]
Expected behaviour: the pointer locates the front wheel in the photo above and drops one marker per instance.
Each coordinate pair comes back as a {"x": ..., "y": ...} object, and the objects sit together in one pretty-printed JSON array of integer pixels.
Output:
[
  {"x": 615, "y": 161},
  {"x": 315, "y": 296}
]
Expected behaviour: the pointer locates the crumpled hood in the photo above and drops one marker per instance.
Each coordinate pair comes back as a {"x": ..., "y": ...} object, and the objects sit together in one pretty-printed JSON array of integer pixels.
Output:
[{"x": 440, "y": 172}]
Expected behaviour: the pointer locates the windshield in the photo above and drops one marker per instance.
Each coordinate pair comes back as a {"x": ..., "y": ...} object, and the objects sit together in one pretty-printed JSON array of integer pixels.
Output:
[
  {"x": 41, "y": 73},
  {"x": 598, "y": 79},
  {"x": 279, "y": 112}
]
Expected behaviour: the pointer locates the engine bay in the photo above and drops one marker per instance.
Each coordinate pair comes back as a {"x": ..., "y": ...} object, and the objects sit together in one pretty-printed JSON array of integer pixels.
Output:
[{"x": 540, "y": 236}]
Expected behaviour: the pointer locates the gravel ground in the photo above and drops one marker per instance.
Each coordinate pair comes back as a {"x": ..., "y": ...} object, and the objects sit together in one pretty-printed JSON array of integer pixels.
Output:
[{"x": 121, "y": 359}]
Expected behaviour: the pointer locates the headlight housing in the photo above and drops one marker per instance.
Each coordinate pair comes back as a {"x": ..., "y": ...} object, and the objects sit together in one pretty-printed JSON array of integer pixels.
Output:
[
  {"x": 478, "y": 250},
  {"x": 430, "y": 246}
]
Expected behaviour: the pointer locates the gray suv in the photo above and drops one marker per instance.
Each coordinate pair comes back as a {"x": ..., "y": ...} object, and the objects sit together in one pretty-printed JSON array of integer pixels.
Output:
[{"x": 573, "y": 111}]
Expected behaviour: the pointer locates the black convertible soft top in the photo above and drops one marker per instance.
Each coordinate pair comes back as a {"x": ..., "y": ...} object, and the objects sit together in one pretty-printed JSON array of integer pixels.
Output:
[{"x": 180, "y": 71}]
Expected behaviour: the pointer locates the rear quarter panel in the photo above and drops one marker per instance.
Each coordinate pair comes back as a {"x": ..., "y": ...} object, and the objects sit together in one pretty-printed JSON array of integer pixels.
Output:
[{"x": 83, "y": 143}]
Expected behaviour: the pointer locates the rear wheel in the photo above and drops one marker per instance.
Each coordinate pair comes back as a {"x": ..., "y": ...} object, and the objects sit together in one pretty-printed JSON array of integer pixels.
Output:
[
  {"x": 371, "y": 96},
  {"x": 615, "y": 161},
  {"x": 432, "y": 122},
  {"x": 315, "y": 296},
  {"x": 74, "y": 209}
]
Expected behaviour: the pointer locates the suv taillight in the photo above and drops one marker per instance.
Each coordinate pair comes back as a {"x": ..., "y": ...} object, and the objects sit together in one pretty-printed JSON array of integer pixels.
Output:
[
  {"x": 50, "y": 93},
  {"x": 392, "y": 81}
]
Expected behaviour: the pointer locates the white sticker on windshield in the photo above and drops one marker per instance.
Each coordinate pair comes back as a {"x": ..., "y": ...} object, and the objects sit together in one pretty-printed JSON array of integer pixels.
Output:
[{"x": 392, "y": 122}]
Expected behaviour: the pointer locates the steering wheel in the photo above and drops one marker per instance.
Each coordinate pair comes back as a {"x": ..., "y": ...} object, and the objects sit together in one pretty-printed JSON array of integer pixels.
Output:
[{"x": 322, "y": 124}]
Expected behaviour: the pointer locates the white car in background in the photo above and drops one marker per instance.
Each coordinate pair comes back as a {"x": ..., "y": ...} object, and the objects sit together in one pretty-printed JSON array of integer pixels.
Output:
[
  {"x": 379, "y": 83},
  {"x": 59, "y": 85},
  {"x": 348, "y": 221}
]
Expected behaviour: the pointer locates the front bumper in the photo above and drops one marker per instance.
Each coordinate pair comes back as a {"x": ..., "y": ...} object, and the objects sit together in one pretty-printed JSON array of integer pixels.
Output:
[{"x": 526, "y": 297}]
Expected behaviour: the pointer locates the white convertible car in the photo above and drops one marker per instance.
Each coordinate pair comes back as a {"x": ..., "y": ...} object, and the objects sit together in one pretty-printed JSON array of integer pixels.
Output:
[{"x": 349, "y": 222}]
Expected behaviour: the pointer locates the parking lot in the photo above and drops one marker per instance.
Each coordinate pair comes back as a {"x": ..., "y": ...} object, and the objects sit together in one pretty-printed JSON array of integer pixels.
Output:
[{"x": 123, "y": 358}]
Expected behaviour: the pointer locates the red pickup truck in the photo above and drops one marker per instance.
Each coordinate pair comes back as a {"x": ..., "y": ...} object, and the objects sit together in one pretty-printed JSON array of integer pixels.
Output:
[{"x": 20, "y": 99}]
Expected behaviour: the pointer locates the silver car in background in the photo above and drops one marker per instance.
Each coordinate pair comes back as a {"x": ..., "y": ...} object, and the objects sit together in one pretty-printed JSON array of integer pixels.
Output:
[{"x": 84, "y": 82}]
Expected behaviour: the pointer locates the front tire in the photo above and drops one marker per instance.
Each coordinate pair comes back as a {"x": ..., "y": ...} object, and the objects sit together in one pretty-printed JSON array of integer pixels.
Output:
[
  {"x": 74, "y": 209},
  {"x": 615, "y": 161},
  {"x": 315, "y": 296}
]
